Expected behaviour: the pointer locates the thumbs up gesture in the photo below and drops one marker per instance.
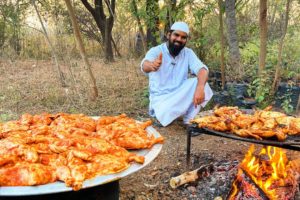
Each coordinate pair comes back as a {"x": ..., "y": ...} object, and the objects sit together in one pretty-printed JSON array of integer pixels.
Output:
[{"x": 157, "y": 62}]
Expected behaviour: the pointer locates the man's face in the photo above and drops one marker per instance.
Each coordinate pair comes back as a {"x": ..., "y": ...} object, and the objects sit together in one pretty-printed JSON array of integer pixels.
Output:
[{"x": 177, "y": 41}]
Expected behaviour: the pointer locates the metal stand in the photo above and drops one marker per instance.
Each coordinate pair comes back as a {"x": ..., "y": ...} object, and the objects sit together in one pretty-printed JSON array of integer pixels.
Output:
[
  {"x": 188, "y": 148},
  {"x": 190, "y": 133},
  {"x": 109, "y": 191},
  {"x": 194, "y": 131}
]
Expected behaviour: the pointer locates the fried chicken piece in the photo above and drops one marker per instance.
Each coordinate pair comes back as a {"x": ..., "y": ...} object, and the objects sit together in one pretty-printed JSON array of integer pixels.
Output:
[
  {"x": 26, "y": 119},
  {"x": 60, "y": 146},
  {"x": 26, "y": 174},
  {"x": 59, "y": 163},
  {"x": 14, "y": 126},
  {"x": 244, "y": 121},
  {"x": 104, "y": 164},
  {"x": 263, "y": 133},
  {"x": 227, "y": 112},
  {"x": 211, "y": 122},
  {"x": 270, "y": 114},
  {"x": 126, "y": 132},
  {"x": 280, "y": 134},
  {"x": 269, "y": 123},
  {"x": 246, "y": 133},
  {"x": 39, "y": 129},
  {"x": 289, "y": 125},
  {"x": 128, "y": 140},
  {"x": 8, "y": 159},
  {"x": 43, "y": 119},
  {"x": 145, "y": 124},
  {"x": 79, "y": 170},
  {"x": 36, "y": 120},
  {"x": 257, "y": 125},
  {"x": 16, "y": 134},
  {"x": 75, "y": 120},
  {"x": 284, "y": 121},
  {"x": 101, "y": 146},
  {"x": 14, "y": 147},
  {"x": 105, "y": 120},
  {"x": 295, "y": 126}
]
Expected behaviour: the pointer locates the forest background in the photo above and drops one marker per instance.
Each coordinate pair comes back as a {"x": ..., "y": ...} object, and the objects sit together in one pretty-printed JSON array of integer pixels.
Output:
[{"x": 84, "y": 56}]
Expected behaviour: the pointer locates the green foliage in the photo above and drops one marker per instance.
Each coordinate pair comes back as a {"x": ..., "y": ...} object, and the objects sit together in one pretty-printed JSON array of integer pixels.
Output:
[
  {"x": 286, "y": 104},
  {"x": 287, "y": 99},
  {"x": 260, "y": 89},
  {"x": 204, "y": 37},
  {"x": 250, "y": 52},
  {"x": 73, "y": 110},
  {"x": 5, "y": 117},
  {"x": 12, "y": 14},
  {"x": 145, "y": 97}
]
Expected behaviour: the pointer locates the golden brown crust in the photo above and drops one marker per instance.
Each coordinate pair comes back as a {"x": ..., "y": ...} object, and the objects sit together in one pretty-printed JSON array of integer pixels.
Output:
[{"x": 262, "y": 124}]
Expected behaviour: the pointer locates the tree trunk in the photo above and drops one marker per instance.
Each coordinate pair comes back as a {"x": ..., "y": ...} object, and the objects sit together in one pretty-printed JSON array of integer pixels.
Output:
[
  {"x": 152, "y": 22},
  {"x": 15, "y": 41},
  {"x": 2, "y": 31},
  {"x": 108, "y": 47},
  {"x": 222, "y": 46},
  {"x": 54, "y": 56},
  {"x": 116, "y": 48},
  {"x": 92, "y": 81},
  {"x": 234, "y": 51},
  {"x": 280, "y": 48},
  {"x": 272, "y": 19},
  {"x": 263, "y": 35},
  {"x": 170, "y": 19},
  {"x": 109, "y": 55},
  {"x": 104, "y": 24},
  {"x": 137, "y": 16}
]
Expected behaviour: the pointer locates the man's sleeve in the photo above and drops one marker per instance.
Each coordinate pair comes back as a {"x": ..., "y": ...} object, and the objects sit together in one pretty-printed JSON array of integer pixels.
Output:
[
  {"x": 151, "y": 55},
  {"x": 195, "y": 63}
]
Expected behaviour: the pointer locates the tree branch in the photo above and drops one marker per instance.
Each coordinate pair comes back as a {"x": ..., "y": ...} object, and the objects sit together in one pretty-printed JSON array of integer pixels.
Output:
[
  {"x": 89, "y": 7},
  {"x": 99, "y": 9},
  {"x": 111, "y": 10}
]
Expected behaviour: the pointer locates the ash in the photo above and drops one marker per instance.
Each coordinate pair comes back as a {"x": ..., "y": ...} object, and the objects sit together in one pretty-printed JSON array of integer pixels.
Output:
[{"x": 217, "y": 184}]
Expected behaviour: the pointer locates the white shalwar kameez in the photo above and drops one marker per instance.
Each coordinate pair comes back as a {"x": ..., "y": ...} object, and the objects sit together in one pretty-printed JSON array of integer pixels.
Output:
[{"x": 171, "y": 92}]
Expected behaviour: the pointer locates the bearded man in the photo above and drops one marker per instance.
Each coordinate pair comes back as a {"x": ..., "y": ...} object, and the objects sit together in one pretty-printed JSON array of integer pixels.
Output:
[{"x": 172, "y": 93}]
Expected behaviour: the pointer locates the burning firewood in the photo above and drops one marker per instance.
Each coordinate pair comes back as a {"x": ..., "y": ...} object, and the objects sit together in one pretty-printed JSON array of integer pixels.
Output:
[
  {"x": 243, "y": 186},
  {"x": 268, "y": 175},
  {"x": 187, "y": 177}
]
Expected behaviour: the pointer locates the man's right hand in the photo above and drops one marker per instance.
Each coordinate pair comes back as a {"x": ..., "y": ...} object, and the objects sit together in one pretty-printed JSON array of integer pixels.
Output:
[
  {"x": 157, "y": 62},
  {"x": 154, "y": 65}
]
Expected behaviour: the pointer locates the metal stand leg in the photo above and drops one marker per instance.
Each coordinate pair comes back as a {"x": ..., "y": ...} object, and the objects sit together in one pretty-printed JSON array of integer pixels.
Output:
[{"x": 188, "y": 148}]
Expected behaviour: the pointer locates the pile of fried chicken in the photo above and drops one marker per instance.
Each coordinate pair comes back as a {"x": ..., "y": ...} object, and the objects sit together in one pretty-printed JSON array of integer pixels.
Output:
[
  {"x": 40, "y": 149},
  {"x": 259, "y": 125}
]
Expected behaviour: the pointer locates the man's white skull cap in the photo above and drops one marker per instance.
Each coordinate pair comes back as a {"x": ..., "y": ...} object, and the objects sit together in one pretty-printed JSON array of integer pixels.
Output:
[{"x": 180, "y": 26}]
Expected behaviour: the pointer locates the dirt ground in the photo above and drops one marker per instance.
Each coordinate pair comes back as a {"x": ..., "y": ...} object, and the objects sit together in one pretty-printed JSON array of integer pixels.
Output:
[{"x": 33, "y": 87}]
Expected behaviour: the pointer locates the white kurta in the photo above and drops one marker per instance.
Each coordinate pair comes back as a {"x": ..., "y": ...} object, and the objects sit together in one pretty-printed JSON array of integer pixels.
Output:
[{"x": 171, "y": 92}]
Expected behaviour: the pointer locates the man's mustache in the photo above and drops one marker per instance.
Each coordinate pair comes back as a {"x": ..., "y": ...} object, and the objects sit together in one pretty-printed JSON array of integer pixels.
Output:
[{"x": 178, "y": 42}]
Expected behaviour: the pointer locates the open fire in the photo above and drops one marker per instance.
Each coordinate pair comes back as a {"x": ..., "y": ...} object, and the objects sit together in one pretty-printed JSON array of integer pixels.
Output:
[
  {"x": 263, "y": 174},
  {"x": 267, "y": 175}
]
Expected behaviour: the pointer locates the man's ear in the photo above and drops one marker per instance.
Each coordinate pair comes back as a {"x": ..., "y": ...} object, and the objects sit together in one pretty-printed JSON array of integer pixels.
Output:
[{"x": 168, "y": 35}]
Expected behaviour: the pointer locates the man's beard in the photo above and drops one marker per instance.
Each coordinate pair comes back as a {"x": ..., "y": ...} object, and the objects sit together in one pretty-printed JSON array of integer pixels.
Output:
[{"x": 175, "y": 49}]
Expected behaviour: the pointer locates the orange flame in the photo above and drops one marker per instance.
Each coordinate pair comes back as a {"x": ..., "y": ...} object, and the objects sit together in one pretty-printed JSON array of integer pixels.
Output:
[{"x": 266, "y": 169}]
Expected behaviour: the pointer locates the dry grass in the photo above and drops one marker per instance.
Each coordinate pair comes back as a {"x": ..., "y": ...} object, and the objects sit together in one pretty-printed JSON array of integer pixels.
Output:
[{"x": 33, "y": 87}]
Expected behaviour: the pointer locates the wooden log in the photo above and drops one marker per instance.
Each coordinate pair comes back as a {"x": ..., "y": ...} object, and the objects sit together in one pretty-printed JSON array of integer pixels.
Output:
[{"x": 187, "y": 177}]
